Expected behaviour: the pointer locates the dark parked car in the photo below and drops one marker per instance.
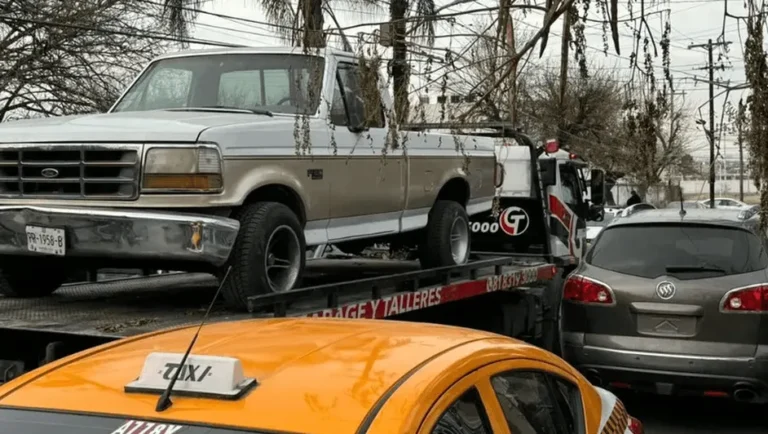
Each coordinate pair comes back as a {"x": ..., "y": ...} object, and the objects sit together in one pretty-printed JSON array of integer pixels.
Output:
[{"x": 673, "y": 304}]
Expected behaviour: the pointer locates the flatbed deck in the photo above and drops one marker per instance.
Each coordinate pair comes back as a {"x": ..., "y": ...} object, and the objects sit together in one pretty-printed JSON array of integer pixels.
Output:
[{"x": 132, "y": 306}]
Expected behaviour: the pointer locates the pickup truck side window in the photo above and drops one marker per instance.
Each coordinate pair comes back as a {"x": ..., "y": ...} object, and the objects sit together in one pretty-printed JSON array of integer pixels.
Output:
[
  {"x": 466, "y": 416},
  {"x": 362, "y": 103},
  {"x": 338, "y": 108}
]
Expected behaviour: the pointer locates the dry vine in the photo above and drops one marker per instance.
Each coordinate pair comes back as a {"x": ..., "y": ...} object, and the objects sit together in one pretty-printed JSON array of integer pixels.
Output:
[{"x": 757, "y": 77}]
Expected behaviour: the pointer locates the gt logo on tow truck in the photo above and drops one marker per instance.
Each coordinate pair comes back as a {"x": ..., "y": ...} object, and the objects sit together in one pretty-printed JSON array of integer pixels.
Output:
[{"x": 513, "y": 221}]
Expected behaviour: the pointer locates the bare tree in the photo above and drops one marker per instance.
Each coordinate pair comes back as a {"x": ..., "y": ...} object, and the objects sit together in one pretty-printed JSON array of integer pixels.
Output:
[
  {"x": 586, "y": 119},
  {"x": 655, "y": 138},
  {"x": 59, "y": 59},
  {"x": 477, "y": 71},
  {"x": 756, "y": 68}
]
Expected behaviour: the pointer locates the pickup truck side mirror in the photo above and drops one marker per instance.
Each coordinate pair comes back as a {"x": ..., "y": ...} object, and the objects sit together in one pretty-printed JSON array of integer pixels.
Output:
[
  {"x": 597, "y": 187},
  {"x": 548, "y": 173},
  {"x": 596, "y": 213},
  {"x": 498, "y": 175}
]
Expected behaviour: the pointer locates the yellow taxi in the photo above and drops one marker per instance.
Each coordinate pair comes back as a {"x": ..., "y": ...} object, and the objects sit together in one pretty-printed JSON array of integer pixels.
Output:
[{"x": 311, "y": 375}]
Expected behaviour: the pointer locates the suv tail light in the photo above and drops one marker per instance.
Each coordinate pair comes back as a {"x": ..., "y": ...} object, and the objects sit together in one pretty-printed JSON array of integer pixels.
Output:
[
  {"x": 753, "y": 298},
  {"x": 635, "y": 426},
  {"x": 585, "y": 290}
]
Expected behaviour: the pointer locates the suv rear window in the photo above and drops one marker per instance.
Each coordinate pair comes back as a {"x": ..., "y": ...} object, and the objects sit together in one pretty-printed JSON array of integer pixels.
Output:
[
  {"x": 651, "y": 251},
  {"x": 39, "y": 422}
]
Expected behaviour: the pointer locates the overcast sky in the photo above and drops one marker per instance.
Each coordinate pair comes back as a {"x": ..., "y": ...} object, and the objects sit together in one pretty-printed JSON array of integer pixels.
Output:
[{"x": 693, "y": 22}]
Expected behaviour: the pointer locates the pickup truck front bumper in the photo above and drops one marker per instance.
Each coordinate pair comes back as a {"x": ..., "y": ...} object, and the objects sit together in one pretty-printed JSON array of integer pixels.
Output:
[{"x": 122, "y": 234}]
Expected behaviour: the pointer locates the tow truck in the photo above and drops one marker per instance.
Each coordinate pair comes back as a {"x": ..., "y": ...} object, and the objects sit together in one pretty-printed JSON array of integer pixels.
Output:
[{"x": 512, "y": 285}]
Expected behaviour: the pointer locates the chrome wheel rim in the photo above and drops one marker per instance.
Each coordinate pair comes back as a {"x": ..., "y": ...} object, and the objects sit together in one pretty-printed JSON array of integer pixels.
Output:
[
  {"x": 459, "y": 240},
  {"x": 282, "y": 259}
]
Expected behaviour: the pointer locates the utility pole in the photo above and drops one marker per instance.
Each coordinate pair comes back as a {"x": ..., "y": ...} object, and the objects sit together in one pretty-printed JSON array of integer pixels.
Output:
[
  {"x": 672, "y": 95},
  {"x": 711, "y": 134},
  {"x": 509, "y": 30},
  {"x": 739, "y": 124}
]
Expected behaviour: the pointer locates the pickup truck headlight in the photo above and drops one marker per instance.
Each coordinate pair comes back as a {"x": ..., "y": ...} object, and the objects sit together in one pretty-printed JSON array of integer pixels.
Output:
[{"x": 182, "y": 169}]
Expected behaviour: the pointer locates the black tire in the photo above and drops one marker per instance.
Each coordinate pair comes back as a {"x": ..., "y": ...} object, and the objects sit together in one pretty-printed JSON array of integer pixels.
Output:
[
  {"x": 435, "y": 248},
  {"x": 259, "y": 222},
  {"x": 30, "y": 282}
]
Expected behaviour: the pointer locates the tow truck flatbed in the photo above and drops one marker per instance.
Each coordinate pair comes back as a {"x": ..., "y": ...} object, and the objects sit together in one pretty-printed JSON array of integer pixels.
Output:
[{"x": 126, "y": 307}]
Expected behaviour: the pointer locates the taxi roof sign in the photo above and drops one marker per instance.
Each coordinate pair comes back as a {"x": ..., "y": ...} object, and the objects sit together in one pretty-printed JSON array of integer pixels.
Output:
[{"x": 201, "y": 376}]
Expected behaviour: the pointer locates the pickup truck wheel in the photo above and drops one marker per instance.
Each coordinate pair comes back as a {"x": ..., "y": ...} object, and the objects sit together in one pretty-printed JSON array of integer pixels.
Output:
[
  {"x": 31, "y": 283},
  {"x": 269, "y": 253},
  {"x": 447, "y": 237}
]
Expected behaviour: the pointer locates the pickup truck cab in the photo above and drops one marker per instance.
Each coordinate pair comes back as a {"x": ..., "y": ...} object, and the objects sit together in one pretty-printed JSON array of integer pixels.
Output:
[{"x": 233, "y": 157}]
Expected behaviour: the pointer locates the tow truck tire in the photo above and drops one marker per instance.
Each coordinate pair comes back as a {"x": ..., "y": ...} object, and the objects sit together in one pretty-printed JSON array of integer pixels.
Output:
[
  {"x": 30, "y": 283},
  {"x": 447, "y": 236},
  {"x": 268, "y": 231}
]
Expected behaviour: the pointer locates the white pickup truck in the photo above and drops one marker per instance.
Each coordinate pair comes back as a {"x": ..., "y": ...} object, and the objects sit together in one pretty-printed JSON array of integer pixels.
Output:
[{"x": 232, "y": 157}]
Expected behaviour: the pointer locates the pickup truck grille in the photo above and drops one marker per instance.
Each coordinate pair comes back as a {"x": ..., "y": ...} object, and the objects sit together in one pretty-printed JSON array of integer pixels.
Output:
[{"x": 70, "y": 172}]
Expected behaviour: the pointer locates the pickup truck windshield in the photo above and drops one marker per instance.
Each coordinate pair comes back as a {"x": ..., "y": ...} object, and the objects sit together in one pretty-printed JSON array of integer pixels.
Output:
[
  {"x": 278, "y": 83},
  {"x": 39, "y": 422}
]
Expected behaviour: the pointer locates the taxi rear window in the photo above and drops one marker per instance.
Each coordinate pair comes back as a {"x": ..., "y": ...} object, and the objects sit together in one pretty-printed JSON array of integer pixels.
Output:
[{"x": 40, "y": 422}]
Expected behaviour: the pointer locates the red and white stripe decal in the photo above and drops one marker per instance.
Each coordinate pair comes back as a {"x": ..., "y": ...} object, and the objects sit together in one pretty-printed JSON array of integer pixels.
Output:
[
  {"x": 563, "y": 214},
  {"x": 409, "y": 301}
]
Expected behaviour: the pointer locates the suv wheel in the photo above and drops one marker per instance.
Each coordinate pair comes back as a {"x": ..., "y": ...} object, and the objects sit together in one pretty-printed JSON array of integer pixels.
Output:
[
  {"x": 269, "y": 253},
  {"x": 447, "y": 236},
  {"x": 29, "y": 282}
]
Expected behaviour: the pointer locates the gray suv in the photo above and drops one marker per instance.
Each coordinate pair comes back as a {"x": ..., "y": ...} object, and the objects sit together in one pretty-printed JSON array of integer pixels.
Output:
[{"x": 673, "y": 303}]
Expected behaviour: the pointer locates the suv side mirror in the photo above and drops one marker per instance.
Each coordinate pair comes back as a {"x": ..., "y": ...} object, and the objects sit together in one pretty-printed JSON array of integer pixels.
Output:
[
  {"x": 597, "y": 187},
  {"x": 548, "y": 173},
  {"x": 596, "y": 213}
]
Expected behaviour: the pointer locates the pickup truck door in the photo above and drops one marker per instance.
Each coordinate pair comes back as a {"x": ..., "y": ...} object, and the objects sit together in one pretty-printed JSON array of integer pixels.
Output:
[{"x": 367, "y": 181}]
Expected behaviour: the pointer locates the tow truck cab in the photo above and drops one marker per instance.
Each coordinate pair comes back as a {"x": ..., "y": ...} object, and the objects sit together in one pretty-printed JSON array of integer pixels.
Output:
[{"x": 573, "y": 194}]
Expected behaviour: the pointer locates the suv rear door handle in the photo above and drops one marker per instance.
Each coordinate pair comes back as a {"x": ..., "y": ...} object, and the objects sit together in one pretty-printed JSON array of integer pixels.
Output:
[{"x": 666, "y": 309}]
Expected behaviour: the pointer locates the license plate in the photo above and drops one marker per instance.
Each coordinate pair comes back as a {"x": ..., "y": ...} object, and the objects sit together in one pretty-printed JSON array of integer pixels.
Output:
[{"x": 49, "y": 241}]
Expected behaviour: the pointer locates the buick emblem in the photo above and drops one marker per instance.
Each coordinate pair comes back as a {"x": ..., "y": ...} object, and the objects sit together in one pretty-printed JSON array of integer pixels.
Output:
[
  {"x": 49, "y": 172},
  {"x": 665, "y": 290}
]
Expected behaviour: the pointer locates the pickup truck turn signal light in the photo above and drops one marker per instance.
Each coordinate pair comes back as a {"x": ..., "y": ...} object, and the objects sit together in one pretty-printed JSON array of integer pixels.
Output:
[
  {"x": 201, "y": 182},
  {"x": 753, "y": 298},
  {"x": 581, "y": 289}
]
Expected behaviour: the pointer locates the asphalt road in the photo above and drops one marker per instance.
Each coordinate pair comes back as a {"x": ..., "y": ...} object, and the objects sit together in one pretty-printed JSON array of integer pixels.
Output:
[{"x": 668, "y": 415}]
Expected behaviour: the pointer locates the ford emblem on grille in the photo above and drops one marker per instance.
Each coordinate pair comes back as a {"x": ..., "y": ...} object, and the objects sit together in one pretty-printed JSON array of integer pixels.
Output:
[
  {"x": 665, "y": 290},
  {"x": 49, "y": 172}
]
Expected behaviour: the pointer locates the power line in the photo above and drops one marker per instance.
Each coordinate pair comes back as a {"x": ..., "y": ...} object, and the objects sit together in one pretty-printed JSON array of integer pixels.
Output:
[{"x": 145, "y": 35}]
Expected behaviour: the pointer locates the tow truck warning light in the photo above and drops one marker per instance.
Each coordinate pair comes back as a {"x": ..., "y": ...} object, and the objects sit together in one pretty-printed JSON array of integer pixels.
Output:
[
  {"x": 551, "y": 146},
  {"x": 201, "y": 376}
]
